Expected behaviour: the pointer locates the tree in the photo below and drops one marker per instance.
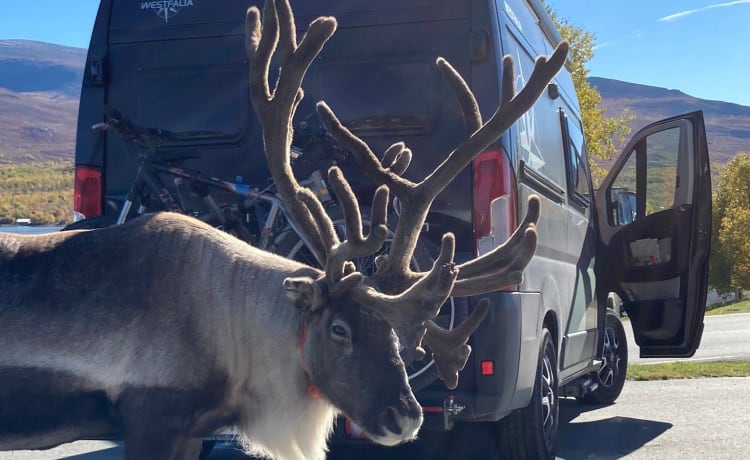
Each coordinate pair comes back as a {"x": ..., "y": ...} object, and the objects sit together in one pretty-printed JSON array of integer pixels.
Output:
[
  {"x": 603, "y": 134},
  {"x": 729, "y": 266}
]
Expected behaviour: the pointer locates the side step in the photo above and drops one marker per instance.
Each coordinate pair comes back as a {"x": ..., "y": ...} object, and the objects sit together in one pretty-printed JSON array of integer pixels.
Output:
[{"x": 581, "y": 387}]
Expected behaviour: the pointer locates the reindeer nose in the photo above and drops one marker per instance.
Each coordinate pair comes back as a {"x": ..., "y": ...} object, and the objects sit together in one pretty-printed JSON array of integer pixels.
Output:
[
  {"x": 396, "y": 418},
  {"x": 390, "y": 420}
]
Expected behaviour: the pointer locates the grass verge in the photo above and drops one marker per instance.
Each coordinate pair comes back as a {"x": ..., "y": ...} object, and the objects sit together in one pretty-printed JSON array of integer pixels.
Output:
[
  {"x": 742, "y": 306},
  {"x": 688, "y": 370}
]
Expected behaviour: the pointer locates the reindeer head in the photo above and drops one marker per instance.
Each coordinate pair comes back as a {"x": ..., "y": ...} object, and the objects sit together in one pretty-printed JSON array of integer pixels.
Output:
[{"x": 357, "y": 322}]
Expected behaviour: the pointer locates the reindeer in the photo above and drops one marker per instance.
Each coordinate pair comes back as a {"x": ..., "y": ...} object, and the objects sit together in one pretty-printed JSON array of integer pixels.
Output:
[{"x": 164, "y": 330}]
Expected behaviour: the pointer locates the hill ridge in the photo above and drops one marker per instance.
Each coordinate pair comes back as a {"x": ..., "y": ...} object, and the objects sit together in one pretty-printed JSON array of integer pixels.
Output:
[{"x": 40, "y": 84}]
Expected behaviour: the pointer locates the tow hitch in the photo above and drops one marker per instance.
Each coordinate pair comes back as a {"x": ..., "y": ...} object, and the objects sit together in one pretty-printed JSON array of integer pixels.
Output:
[{"x": 450, "y": 410}]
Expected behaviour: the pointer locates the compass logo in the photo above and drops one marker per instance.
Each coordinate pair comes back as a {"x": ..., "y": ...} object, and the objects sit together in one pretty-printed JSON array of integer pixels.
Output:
[{"x": 166, "y": 9}]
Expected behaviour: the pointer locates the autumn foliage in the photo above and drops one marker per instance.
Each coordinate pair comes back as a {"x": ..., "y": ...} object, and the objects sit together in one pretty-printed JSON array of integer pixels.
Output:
[
  {"x": 42, "y": 192},
  {"x": 730, "y": 245}
]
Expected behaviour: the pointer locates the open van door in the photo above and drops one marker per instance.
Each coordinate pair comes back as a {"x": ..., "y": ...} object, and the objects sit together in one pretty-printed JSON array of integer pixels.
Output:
[{"x": 654, "y": 217}]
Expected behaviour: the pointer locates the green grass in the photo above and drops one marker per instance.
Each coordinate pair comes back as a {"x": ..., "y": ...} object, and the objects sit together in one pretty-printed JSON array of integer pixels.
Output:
[
  {"x": 688, "y": 370},
  {"x": 742, "y": 306},
  {"x": 42, "y": 192},
  {"x": 692, "y": 370}
]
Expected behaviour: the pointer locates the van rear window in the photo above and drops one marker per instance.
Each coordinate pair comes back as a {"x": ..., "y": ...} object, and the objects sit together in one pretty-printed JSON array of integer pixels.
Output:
[
  {"x": 197, "y": 101},
  {"x": 368, "y": 95}
]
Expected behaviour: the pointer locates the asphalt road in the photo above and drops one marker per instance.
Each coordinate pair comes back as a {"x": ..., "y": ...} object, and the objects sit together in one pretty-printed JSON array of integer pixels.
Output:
[
  {"x": 725, "y": 337},
  {"x": 666, "y": 420},
  {"x": 703, "y": 418}
]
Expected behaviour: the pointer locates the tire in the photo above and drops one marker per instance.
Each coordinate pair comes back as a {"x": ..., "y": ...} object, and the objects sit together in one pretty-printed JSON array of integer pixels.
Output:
[
  {"x": 423, "y": 372},
  {"x": 91, "y": 223},
  {"x": 611, "y": 375},
  {"x": 531, "y": 432},
  {"x": 206, "y": 449}
]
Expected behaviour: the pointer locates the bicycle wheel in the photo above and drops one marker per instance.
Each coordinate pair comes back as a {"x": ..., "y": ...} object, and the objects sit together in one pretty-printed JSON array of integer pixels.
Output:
[{"x": 423, "y": 372}]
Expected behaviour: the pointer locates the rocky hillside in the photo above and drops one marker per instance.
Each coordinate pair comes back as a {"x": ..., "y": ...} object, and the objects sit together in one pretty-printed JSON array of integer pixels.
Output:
[
  {"x": 727, "y": 125},
  {"x": 39, "y": 88}
]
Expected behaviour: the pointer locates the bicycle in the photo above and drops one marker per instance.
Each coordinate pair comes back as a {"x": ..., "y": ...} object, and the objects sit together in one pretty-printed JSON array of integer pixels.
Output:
[{"x": 259, "y": 216}]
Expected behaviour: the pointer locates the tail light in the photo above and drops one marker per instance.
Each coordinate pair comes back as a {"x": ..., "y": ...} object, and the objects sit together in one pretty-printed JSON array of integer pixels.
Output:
[
  {"x": 87, "y": 191},
  {"x": 494, "y": 199}
]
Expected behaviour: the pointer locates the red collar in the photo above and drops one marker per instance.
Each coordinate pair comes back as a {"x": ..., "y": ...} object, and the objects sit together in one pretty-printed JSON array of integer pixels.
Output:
[{"x": 312, "y": 390}]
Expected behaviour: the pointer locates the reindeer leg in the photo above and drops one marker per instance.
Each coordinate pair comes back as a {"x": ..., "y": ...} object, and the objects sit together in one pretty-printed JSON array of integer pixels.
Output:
[
  {"x": 149, "y": 442},
  {"x": 157, "y": 422}
]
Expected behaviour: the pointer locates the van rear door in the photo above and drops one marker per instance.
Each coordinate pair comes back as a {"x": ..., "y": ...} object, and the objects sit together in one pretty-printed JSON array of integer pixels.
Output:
[{"x": 654, "y": 218}]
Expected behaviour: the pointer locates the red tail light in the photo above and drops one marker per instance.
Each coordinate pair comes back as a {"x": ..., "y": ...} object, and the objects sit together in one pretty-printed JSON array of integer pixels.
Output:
[
  {"x": 87, "y": 191},
  {"x": 494, "y": 199}
]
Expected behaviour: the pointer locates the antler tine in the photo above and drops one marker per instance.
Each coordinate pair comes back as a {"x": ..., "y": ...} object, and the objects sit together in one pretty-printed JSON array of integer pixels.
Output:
[
  {"x": 495, "y": 281},
  {"x": 397, "y": 158},
  {"x": 466, "y": 100},
  {"x": 355, "y": 245},
  {"x": 504, "y": 265},
  {"x": 407, "y": 311},
  {"x": 362, "y": 153},
  {"x": 449, "y": 348},
  {"x": 507, "y": 113},
  {"x": 503, "y": 256},
  {"x": 275, "y": 109},
  {"x": 500, "y": 268}
]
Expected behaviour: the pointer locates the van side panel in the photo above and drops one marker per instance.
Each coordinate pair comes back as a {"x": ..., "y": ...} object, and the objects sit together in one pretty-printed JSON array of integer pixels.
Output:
[{"x": 558, "y": 269}]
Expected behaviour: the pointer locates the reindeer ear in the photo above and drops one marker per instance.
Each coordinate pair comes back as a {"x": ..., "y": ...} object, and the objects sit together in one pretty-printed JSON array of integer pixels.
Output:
[{"x": 305, "y": 293}]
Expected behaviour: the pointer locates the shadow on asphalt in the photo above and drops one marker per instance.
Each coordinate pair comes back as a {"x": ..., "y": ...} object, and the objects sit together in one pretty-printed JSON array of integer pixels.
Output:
[
  {"x": 609, "y": 438},
  {"x": 605, "y": 439},
  {"x": 113, "y": 453}
]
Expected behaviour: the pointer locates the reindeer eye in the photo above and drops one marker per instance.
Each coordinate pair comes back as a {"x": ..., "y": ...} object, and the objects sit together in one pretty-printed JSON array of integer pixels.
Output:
[{"x": 339, "y": 330}]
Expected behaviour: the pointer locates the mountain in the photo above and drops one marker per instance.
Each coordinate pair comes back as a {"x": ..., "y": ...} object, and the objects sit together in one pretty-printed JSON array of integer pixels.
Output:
[
  {"x": 40, "y": 84},
  {"x": 727, "y": 124},
  {"x": 39, "y": 88}
]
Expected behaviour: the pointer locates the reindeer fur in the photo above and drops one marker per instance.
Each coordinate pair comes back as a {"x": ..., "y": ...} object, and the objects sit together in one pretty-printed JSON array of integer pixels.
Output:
[{"x": 98, "y": 328}]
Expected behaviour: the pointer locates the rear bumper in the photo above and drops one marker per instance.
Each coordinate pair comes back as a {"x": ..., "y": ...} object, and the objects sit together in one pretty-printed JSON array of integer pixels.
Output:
[{"x": 509, "y": 338}]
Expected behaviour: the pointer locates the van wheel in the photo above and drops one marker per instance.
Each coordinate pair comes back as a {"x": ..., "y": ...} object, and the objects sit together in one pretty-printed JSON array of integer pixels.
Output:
[
  {"x": 531, "y": 432},
  {"x": 611, "y": 376}
]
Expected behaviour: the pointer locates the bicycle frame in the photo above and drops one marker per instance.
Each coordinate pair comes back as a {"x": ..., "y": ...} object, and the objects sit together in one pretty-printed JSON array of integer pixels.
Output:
[{"x": 148, "y": 176}]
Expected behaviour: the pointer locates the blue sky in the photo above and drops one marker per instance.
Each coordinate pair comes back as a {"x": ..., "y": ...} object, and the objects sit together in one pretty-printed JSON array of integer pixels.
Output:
[{"x": 696, "y": 46}]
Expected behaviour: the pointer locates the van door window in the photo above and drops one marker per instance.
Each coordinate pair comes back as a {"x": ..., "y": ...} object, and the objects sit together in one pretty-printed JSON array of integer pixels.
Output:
[
  {"x": 623, "y": 194},
  {"x": 662, "y": 157},
  {"x": 579, "y": 183},
  {"x": 658, "y": 178}
]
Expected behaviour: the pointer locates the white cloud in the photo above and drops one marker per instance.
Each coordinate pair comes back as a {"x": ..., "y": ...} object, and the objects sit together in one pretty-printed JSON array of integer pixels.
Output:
[
  {"x": 682, "y": 14},
  {"x": 637, "y": 34}
]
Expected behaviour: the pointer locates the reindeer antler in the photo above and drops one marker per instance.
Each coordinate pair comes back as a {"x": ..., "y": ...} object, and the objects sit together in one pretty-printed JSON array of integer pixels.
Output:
[
  {"x": 499, "y": 268},
  {"x": 407, "y": 300},
  {"x": 275, "y": 106}
]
